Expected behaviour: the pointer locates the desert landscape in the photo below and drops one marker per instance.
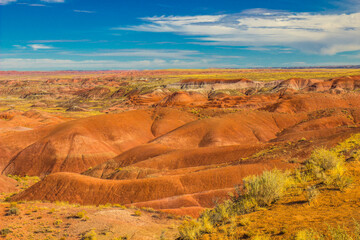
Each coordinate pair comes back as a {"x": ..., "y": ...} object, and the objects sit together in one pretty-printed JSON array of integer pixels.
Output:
[
  {"x": 180, "y": 154},
  {"x": 179, "y": 120}
]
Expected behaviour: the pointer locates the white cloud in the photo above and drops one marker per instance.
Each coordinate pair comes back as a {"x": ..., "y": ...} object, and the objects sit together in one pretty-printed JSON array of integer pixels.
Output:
[
  {"x": 39, "y": 46},
  {"x": 158, "y": 53},
  {"x": 83, "y": 11},
  {"x": 314, "y": 33},
  {"x": 37, "y": 5},
  {"x": 19, "y": 46},
  {"x": 60, "y": 64},
  {"x": 4, "y": 2},
  {"x": 58, "y": 41}
]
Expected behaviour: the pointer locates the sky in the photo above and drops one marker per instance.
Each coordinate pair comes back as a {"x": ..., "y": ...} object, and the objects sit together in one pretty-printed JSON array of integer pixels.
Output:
[{"x": 168, "y": 34}]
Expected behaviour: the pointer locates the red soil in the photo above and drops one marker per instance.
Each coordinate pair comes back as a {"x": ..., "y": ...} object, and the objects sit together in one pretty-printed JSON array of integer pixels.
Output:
[
  {"x": 246, "y": 127},
  {"x": 7, "y": 184},
  {"x": 77, "y": 145},
  {"x": 87, "y": 190},
  {"x": 183, "y": 99}
]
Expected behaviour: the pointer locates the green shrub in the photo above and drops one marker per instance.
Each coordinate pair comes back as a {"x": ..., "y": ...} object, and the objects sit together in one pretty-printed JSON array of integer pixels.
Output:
[
  {"x": 259, "y": 190},
  {"x": 311, "y": 194},
  {"x": 339, "y": 233},
  {"x": 322, "y": 160},
  {"x": 58, "y": 222},
  {"x": 13, "y": 211},
  {"x": 90, "y": 235},
  {"x": 243, "y": 204},
  {"x": 207, "y": 223},
  {"x": 81, "y": 214},
  {"x": 266, "y": 188},
  {"x": 260, "y": 237},
  {"x": 329, "y": 168},
  {"x": 350, "y": 148},
  {"x": 137, "y": 213},
  {"x": 4, "y": 232},
  {"x": 338, "y": 178},
  {"x": 190, "y": 230},
  {"x": 13, "y": 204},
  {"x": 307, "y": 234}
]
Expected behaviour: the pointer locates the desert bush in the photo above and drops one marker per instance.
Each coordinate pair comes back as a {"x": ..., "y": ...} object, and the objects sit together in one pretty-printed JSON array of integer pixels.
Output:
[
  {"x": 328, "y": 167},
  {"x": 119, "y": 206},
  {"x": 4, "y": 232},
  {"x": 81, "y": 214},
  {"x": 322, "y": 160},
  {"x": 13, "y": 204},
  {"x": 13, "y": 211},
  {"x": 58, "y": 222},
  {"x": 260, "y": 237},
  {"x": 190, "y": 230},
  {"x": 333, "y": 233},
  {"x": 338, "y": 178},
  {"x": 307, "y": 234},
  {"x": 162, "y": 235},
  {"x": 311, "y": 193},
  {"x": 137, "y": 213},
  {"x": 222, "y": 212},
  {"x": 266, "y": 188},
  {"x": 243, "y": 204},
  {"x": 350, "y": 148},
  {"x": 90, "y": 235},
  {"x": 259, "y": 190},
  {"x": 339, "y": 233}
]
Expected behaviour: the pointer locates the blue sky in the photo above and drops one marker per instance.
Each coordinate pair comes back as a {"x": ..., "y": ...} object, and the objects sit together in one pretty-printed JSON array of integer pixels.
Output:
[{"x": 160, "y": 34}]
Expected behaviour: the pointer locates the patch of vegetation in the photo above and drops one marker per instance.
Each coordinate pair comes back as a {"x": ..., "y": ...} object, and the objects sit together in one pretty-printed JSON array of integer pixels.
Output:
[
  {"x": 258, "y": 191},
  {"x": 137, "y": 213},
  {"x": 329, "y": 168},
  {"x": 80, "y": 215},
  {"x": 119, "y": 206},
  {"x": 266, "y": 188},
  {"x": 333, "y": 233},
  {"x": 148, "y": 209},
  {"x": 25, "y": 182},
  {"x": 5, "y": 231},
  {"x": 350, "y": 148},
  {"x": 324, "y": 169},
  {"x": 311, "y": 194},
  {"x": 13, "y": 210},
  {"x": 90, "y": 235},
  {"x": 58, "y": 222}
]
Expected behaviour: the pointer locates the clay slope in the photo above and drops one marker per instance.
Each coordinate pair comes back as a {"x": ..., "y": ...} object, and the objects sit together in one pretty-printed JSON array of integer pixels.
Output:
[
  {"x": 313, "y": 101},
  {"x": 156, "y": 159},
  {"x": 73, "y": 187},
  {"x": 77, "y": 145},
  {"x": 347, "y": 83},
  {"x": 183, "y": 99},
  {"x": 297, "y": 83},
  {"x": 12, "y": 142},
  {"x": 7, "y": 184},
  {"x": 247, "y": 127},
  {"x": 23, "y": 121}
]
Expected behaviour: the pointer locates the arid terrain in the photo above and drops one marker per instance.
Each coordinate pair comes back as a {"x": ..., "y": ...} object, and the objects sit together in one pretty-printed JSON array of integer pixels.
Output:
[{"x": 133, "y": 154}]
